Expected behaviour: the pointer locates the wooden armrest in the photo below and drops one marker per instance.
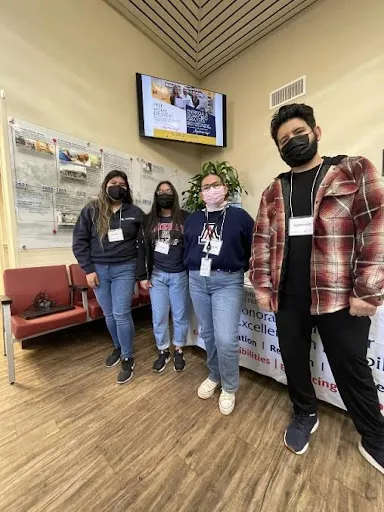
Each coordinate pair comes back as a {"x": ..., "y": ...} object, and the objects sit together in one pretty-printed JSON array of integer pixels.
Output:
[
  {"x": 80, "y": 287},
  {"x": 5, "y": 300}
]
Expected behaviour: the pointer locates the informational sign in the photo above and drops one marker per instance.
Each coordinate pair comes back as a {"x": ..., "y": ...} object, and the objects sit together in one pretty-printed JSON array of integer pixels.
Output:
[
  {"x": 175, "y": 111},
  {"x": 56, "y": 175}
]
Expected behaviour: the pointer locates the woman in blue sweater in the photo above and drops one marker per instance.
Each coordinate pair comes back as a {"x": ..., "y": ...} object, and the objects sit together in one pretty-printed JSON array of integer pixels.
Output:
[
  {"x": 217, "y": 251},
  {"x": 105, "y": 245}
]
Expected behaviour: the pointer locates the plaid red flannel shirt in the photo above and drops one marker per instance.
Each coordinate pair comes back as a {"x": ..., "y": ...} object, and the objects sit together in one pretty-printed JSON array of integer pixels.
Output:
[{"x": 347, "y": 246}]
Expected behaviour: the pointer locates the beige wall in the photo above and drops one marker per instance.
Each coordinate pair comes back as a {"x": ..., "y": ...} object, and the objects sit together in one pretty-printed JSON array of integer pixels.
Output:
[
  {"x": 339, "y": 45},
  {"x": 70, "y": 65}
]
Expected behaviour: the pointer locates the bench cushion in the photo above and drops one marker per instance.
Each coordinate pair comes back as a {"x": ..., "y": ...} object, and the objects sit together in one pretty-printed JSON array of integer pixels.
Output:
[
  {"x": 22, "y": 328},
  {"x": 95, "y": 310}
]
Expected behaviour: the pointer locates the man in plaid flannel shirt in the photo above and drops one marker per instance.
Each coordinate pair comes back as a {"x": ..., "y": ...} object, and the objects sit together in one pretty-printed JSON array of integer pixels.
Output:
[{"x": 318, "y": 260}]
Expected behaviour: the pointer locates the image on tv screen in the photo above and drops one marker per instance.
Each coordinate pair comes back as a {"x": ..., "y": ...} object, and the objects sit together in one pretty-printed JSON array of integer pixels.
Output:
[{"x": 180, "y": 112}]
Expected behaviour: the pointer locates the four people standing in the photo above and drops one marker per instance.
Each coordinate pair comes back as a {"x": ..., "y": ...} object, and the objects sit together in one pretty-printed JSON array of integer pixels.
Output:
[{"x": 317, "y": 260}]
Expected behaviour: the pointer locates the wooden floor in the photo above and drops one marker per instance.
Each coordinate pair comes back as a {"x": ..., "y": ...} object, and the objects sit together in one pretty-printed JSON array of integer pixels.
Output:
[{"x": 71, "y": 439}]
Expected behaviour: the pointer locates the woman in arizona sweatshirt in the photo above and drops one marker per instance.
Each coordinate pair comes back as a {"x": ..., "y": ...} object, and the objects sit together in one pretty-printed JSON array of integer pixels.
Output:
[
  {"x": 161, "y": 270},
  {"x": 217, "y": 251},
  {"x": 105, "y": 246}
]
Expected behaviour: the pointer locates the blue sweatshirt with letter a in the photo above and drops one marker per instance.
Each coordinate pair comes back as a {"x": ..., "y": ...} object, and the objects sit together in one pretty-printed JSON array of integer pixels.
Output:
[{"x": 236, "y": 235}]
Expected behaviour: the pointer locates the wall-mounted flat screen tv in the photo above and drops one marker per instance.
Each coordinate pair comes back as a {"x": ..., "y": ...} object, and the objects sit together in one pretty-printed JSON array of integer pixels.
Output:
[{"x": 179, "y": 112}]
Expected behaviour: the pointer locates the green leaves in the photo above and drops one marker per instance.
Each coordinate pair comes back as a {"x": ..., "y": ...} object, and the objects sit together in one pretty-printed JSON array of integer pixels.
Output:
[{"x": 228, "y": 175}]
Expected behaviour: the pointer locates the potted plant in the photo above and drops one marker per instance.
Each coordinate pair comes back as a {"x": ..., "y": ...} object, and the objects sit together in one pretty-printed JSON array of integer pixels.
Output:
[{"x": 228, "y": 175}]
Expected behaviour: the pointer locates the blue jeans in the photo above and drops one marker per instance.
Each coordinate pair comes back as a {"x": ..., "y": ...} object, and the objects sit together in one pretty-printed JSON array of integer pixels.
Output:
[
  {"x": 114, "y": 294},
  {"x": 169, "y": 290},
  {"x": 217, "y": 301}
]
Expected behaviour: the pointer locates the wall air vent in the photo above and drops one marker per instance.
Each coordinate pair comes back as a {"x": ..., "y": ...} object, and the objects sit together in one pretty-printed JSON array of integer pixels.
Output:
[{"x": 288, "y": 92}]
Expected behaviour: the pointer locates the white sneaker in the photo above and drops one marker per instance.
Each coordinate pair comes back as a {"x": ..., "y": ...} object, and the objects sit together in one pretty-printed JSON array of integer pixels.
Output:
[
  {"x": 226, "y": 402},
  {"x": 207, "y": 389}
]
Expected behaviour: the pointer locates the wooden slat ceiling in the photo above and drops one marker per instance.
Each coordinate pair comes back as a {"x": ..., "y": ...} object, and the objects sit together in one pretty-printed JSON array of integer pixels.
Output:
[{"x": 205, "y": 34}]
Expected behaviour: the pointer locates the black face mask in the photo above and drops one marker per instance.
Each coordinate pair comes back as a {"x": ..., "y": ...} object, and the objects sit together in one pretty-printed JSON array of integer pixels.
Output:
[
  {"x": 165, "y": 201},
  {"x": 299, "y": 150},
  {"x": 116, "y": 192}
]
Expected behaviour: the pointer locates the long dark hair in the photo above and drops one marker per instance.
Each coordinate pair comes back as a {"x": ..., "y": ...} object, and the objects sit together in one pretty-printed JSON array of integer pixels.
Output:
[
  {"x": 103, "y": 204},
  {"x": 154, "y": 214}
]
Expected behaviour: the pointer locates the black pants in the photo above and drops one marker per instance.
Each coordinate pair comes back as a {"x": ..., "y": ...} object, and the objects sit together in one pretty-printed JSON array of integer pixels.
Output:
[{"x": 345, "y": 340}]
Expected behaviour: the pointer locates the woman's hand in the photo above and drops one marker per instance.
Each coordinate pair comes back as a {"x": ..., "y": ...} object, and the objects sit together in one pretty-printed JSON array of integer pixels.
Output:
[
  {"x": 92, "y": 280},
  {"x": 146, "y": 284}
]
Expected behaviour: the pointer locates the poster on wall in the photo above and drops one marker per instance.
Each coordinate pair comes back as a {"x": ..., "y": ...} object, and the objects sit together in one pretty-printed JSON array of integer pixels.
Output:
[
  {"x": 150, "y": 176},
  {"x": 56, "y": 175}
]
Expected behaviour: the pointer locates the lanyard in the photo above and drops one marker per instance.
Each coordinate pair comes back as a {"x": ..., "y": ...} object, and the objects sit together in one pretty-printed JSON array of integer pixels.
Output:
[
  {"x": 222, "y": 224},
  {"x": 312, "y": 190}
]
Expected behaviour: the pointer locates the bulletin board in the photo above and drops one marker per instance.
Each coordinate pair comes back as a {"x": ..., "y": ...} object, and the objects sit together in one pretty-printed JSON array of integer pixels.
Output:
[{"x": 55, "y": 175}]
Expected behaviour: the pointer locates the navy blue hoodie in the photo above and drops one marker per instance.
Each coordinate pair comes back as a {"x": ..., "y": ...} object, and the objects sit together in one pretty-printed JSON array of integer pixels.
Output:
[
  {"x": 236, "y": 236},
  {"x": 86, "y": 244}
]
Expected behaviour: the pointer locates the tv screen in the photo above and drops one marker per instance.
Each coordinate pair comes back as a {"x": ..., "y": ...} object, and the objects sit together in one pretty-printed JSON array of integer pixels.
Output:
[{"x": 175, "y": 111}]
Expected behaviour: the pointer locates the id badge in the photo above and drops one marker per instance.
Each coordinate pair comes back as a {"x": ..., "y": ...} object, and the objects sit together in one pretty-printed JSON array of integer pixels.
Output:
[
  {"x": 300, "y": 226},
  {"x": 205, "y": 267},
  {"x": 214, "y": 247},
  {"x": 115, "y": 235},
  {"x": 162, "y": 247}
]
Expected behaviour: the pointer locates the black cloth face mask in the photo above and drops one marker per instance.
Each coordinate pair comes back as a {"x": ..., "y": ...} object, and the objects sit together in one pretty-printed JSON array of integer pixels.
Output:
[
  {"x": 299, "y": 150},
  {"x": 165, "y": 201},
  {"x": 116, "y": 192}
]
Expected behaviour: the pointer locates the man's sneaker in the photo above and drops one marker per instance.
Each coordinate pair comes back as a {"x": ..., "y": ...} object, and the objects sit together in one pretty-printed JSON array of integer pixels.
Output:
[
  {"x": 113, "y": 359},
  {"x": 178, "y": 361},
  {"x": 126, "y": 372},
  {"x": 373, "y": 456},
  {"x": 296, "y": 437},
  {"x": 226, "y": 402},
  {"x": 162, "y": 360},
  {"x": 207, "y": 388}
]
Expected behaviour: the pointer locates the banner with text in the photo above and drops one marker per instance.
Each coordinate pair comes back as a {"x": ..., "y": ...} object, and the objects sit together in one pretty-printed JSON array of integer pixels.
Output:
[{"x": 259, "y": 350}]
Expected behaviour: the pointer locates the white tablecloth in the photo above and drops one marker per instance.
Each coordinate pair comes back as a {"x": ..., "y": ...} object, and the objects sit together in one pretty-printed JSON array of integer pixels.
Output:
[{"x": 259, "y": 350}]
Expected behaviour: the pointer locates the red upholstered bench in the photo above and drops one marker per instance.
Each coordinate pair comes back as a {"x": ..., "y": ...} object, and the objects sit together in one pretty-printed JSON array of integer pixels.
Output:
[
  {"x": 144, "y": 297},
  {"x": 85, "y": 297},
  {"x": 21, "y": 286}
]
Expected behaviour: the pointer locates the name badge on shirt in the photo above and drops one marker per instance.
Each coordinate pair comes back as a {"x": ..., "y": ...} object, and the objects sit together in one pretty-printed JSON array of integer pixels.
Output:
[
  {"x": 205, "y": 267},
  {"x": 299, "y": 226},
  {"x": 213, "y": 247},
  {"x": 162, "y": 247},
  {"x": 115, "y": 235}
]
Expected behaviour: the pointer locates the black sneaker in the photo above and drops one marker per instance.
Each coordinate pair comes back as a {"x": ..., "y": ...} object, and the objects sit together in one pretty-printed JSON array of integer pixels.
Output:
[
  {"x": 162, "y": 360},
  {"x": 296, "y": 437},
  {"x": 113, "y": 359},
  {"x": 126, "y": 372},
  {"x": 374, "y": 456},
  {"x": 178, "y": 361}
]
